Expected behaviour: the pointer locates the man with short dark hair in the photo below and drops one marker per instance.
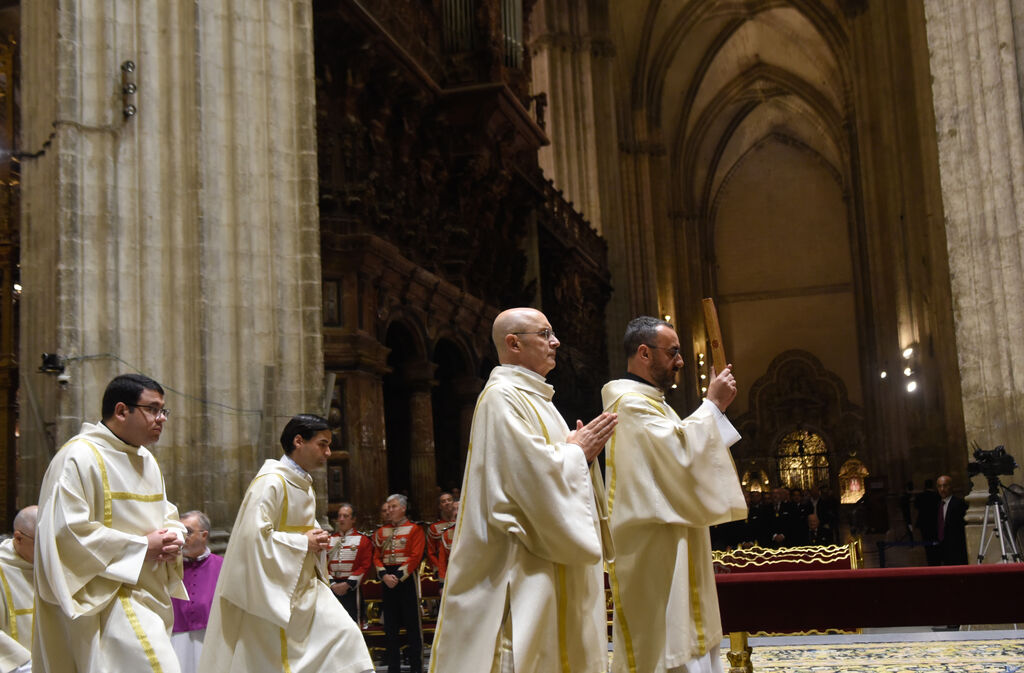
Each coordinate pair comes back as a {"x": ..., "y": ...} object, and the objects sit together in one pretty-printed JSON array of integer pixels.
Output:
[
  {"x": 16, "y": 594},
  {"x": 202, "y": 568},
  {"x": 435, "y": 533},
  {"x": 273, "y": 610},
  {"x": 108, "y": 543},
  {"x": 348, "y": 560},
  {"x": 397, "y": 552},
  {"x": 668, "y": 479}
]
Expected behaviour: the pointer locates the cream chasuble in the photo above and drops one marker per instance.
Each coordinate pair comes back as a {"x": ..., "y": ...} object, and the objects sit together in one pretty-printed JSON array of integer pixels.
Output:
[
  {"x": 16, "y": 597},
  {"x": 100, "y": 605},
  {"x": 668, "y": 479},
  {"x": 526, "y": 561},
  {"x": 273, "y": 610}
]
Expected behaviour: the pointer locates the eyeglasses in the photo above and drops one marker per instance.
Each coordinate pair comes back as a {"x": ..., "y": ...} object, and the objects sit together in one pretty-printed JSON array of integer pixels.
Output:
[
  {"x": 155, "y": 412},
  {"x": 672, "y": 352},
  {"x": 547, "y": 334}
]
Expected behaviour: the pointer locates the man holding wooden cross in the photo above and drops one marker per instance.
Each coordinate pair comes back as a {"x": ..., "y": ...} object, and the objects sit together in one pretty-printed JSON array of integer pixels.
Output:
[{"x": 668, "y": 479}]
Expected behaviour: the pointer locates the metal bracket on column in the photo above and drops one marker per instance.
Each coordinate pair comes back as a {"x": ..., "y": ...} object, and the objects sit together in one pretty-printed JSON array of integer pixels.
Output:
[{"x": 128, "y": 89}]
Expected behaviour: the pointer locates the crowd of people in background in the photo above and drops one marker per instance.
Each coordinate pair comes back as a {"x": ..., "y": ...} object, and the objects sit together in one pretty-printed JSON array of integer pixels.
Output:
[
  {"x": 783, "y": 517},
  {"x": 393, "y": 552}
]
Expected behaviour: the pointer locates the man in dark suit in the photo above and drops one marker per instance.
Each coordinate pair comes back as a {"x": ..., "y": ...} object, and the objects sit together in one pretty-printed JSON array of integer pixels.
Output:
[
  {"x": 782, "y": 526},
  {"x": 927, "y": 505},
  {"x": 949, "y": 518},
  {"x": 818, "y": 534}
]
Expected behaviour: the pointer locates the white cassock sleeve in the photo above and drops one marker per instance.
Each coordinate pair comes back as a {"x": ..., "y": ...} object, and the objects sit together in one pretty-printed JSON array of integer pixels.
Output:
[
  {"x": 538, "y": 487},
  {"x": 692, "y": 475},
  {"x": 265, "y": 582}
]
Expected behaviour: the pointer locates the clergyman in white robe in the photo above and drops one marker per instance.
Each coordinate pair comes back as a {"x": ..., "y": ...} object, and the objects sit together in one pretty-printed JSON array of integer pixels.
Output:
[
  {"x": 524, "y": 591},
  {"x": 273, "y": 610},
  {"x": 100, "y": 605},
  {"x": 526, "y": 560},
  {"x": 16, "y": 596},
  {"x": 668, "y": 479}
]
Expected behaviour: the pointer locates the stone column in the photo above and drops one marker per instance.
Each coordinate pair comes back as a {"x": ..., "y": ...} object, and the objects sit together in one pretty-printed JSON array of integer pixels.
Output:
[
  {"x": 181, "y": 241},
  {"x": 573, "y": 62},
  {"x": 368, "y": 462},
  {"x": 977, "y": 98},
  {"x": 423, "y": 462}
]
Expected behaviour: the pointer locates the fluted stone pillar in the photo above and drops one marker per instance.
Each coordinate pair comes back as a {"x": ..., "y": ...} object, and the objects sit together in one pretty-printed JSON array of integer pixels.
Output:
[
  {"x": 181, "y": 242},
  {"x": 573, "y": 62},
  {"x": 977, "y": 97}
]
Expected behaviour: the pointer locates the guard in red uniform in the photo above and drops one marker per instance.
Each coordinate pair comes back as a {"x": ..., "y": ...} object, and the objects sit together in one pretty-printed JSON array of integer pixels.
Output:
[
  {"x": 397, "y": 552},
  {"x": 348, "y": 560},
  {"x": 447, "y": 538},
  {"x": 435, "y": 532}
]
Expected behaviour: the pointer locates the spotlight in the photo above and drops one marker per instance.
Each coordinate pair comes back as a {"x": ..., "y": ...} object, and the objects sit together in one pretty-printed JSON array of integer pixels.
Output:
[
  {"x": 912, "y": 386},
  {"x": 884, "y": 374},
  {"x": 907, "y": 371},
  {"x": 908, "y": 351},
  {"x": 53, "y": 363}
]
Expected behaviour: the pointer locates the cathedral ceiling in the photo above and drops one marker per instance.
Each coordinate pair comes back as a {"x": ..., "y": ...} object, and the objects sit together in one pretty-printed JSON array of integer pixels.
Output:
[{"x": 710, "y": 80}]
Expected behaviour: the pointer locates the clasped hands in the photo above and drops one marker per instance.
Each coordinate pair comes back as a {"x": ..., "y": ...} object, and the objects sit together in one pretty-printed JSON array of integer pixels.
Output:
[
  {"x": 164, "y": 546},
  {"x": 594, "y": 435}
]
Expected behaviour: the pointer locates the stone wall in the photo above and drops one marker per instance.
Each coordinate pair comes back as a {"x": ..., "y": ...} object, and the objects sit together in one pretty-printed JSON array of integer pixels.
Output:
[{"x": 181, "y": 241}]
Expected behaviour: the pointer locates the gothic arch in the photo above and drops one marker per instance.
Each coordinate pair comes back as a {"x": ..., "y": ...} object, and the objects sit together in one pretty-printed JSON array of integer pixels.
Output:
[{"x": 798, "y": 392}]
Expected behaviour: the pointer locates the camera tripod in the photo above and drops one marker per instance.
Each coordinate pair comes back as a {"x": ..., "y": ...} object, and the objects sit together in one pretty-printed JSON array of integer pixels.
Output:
[{"x": 1001, "y": 528}]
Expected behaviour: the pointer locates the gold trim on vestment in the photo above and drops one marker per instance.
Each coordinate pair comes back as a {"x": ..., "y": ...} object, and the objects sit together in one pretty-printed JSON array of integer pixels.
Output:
[
  {"x": 620, "y": 615},
  {"x": 124, "y": 594},
  {"x": 109, "y": 496},
  {"x": 562, "y": 597},
  {"x": 695, "y": 610},
  {"x": 612, "y": 575},
  {"x": 281, "y": 522},
  {"x": 562, "y": 601},
  {"x": 285, "y": 666},
  {"x": 12, "y": 613}
]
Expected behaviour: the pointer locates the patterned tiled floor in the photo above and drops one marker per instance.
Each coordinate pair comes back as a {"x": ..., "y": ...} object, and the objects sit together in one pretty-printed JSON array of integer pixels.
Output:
[{"x": 968, "y": 656}]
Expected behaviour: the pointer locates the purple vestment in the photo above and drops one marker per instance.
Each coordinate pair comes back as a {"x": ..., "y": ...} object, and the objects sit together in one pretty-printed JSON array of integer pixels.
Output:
[{"x": 200, "y": 580}]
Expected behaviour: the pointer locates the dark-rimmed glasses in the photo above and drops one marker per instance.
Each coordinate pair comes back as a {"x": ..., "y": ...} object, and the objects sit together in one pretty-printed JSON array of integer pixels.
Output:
[
  {"x": 673, "y": 352},
  {"x": 153, "y": 411},
  {"x": 548, "y": 334}
]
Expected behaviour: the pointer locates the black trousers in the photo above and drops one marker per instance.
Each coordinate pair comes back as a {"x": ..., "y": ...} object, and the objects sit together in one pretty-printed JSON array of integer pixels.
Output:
[
  {"x": 348, "y": 601},
  {"x": 401, "y": 608}
]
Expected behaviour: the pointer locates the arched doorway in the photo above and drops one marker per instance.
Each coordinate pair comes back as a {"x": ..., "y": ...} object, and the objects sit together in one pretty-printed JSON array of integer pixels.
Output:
[
  {"x": 455, "y": 388},
  {"x": 408, "y": 421}
]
